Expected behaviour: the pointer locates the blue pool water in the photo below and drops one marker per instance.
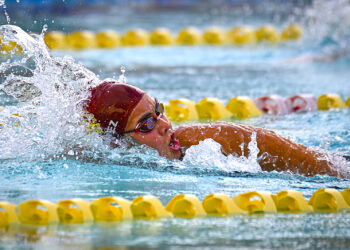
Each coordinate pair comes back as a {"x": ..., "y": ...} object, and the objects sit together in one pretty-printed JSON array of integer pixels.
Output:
[{"x": 49, "y": 155}]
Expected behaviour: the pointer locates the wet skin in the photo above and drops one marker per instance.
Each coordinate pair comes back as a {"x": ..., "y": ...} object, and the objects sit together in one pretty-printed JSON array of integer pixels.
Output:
[
  {"x": 275, "y": 152},
  {"x": 161, "y": 135}
]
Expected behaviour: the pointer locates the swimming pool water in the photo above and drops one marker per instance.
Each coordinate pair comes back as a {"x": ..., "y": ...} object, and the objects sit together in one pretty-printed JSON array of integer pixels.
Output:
[{"x": 194, "y": 73}]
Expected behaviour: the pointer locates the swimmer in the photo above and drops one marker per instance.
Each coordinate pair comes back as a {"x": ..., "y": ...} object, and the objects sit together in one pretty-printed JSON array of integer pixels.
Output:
[
  {"x": 320, "y": 58},
  {"x": 126, "y": 111}
]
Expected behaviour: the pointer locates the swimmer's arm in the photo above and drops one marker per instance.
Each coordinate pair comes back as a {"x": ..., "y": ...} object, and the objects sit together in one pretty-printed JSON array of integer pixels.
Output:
[
  {"x": 319, "y": 58},
  {"x": 275, "y": 151}
]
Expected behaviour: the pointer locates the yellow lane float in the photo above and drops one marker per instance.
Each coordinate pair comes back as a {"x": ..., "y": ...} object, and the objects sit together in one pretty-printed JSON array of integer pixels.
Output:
[
  {"x": 136, "y": 37},
  {"x": 38, "y": 212},
  {"x": 292, "y": 32},
  {"x": 11, "y": 47},
  {"x": 256, "y": 202},
  {"x": 328, "y": 200},
  {"x": 268, "y": 33},
  {"x": 291, "y": 201},
  {"x": 214, "y": 36},
  {"x": 8, "y": 214},
  {"x": 181, "y": 110},
  {"x": 185, "y": 206},
  {"x": 81, "y": 40},
  {"x": 347, "y": 103},
  {"x": 189, "y": 36},
  {"x": 330, "y": 101},
  {"x": 55, "y": 40},
  {"x": 243, "y": 107},
  {"x": 148, "y": 207},
  {"x": 346, "y": 195},
  {"x": 219, "y": 204},
  {"x": 74, "y": 211},
  {"x": 108, "y": 39},
  {"x": 212, "y": 108},
  {"x": 241, "y": 35},
  {"x": 161, "y": 36},
  {"x": 111, "y": 209}
]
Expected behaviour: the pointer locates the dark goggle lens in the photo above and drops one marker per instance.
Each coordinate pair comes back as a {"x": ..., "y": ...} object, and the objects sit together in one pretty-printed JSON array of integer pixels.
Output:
[{"x": 147, "y": 125}]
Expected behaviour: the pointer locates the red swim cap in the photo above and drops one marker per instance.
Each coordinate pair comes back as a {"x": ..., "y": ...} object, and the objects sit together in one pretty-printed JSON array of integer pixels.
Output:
[{"x": 112, "y": 102}]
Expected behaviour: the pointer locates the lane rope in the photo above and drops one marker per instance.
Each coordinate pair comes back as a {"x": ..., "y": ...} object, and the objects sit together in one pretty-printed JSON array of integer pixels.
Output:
[
  {"x": 239, "y": 107},
  {"x": 148, "y": 207},
  {"x": 189, "y": 36}
]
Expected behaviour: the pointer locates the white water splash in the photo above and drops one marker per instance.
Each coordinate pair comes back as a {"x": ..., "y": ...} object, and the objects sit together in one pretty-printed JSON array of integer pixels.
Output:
[
  {"x": 328, "y": 22},
  {"x": 340, "y": 164},
  {"x": 48, "y": 119},
  {"x": 208, "y": 154}
]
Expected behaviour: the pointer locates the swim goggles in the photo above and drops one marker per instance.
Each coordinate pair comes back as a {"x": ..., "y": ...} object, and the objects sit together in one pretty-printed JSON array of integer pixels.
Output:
[{"x": 148, "y": 124}]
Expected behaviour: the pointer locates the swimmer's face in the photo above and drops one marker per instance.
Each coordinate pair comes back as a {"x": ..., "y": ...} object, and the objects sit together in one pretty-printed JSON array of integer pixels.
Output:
[{"x": 161, "y": 137}]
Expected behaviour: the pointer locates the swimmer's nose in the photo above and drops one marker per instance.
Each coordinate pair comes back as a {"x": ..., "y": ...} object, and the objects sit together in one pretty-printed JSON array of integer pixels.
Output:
[{"x": 164, "y": 125}]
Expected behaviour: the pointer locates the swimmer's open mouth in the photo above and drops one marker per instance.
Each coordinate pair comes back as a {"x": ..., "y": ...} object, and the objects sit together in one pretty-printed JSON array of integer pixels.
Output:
[{"x": 174, "y": 144}]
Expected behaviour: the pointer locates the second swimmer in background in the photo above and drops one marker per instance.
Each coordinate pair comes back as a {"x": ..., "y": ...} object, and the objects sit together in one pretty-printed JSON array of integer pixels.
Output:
[{"x": 124, "y": 110}]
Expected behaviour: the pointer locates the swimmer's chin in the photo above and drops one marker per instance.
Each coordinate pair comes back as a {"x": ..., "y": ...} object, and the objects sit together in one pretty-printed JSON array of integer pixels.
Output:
[{"x": 173, "y": 155}]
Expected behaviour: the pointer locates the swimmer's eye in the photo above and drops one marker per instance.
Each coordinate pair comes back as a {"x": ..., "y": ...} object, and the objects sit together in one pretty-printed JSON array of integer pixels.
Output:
[{"x": 147, "y": 125}]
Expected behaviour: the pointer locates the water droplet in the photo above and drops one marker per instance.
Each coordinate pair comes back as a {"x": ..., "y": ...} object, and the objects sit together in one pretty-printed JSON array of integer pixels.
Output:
[
  {"x": 122, "y": 69},
  {"x": 44, "y": 30},
  {"x": 2, "y": 3},
  {"x": 122, "y": 78}
]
